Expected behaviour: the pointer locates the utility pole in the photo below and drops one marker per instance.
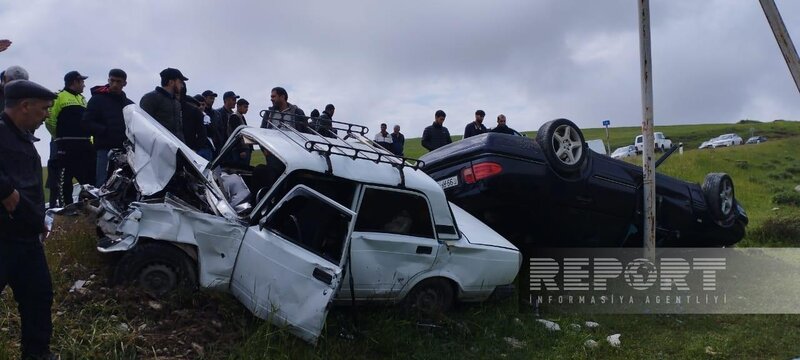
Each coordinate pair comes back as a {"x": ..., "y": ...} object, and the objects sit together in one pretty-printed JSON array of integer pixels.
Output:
[
  {"x": 648, "y": 167},
  {"x": 784, "y": 41}
]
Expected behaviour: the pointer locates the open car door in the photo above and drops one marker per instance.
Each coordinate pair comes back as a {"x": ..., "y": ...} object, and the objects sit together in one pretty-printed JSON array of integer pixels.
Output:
[{"x": 289, "y": 266}]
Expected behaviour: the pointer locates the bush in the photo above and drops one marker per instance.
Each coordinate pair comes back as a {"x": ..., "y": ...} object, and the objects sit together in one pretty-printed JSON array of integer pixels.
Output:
[
  {"x": 787, "y": 197},
  {"x": 778, "y": 231},
  {"x": 793, "y": 170}
]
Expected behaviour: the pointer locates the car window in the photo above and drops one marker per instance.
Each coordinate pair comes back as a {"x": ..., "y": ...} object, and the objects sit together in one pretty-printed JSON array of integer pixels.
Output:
[
  {"x": 394, "y": 212},
  {"x": 313, "y": 224}
]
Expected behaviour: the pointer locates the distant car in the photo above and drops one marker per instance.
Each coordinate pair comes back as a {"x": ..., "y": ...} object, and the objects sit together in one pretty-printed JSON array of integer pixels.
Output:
[
  {"x": 659, "y": 140},
  {"x": 624, "y": 152},
  {"x": 725, "y": 140},
  {"x": 756, "y": 140},
  {"x": 554, "y": 192}
]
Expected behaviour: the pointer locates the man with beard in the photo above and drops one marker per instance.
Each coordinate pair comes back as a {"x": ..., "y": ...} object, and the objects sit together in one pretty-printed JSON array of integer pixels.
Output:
[
  {"x": 162, "y": 103},
  {"x": 283, "y": 112},
  {"x": 104, "y": 121}
]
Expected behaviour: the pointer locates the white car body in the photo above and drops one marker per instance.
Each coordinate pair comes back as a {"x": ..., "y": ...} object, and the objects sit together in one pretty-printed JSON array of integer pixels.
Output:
[
  {"x": 722, "y": 141},
  {"x": 624, "y": 152},
  {"x": 280, "y": 272},
  {"x": 659, "y": 140}
]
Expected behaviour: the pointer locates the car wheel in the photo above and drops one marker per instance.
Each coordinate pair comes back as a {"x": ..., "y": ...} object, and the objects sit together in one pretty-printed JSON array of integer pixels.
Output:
[
  {"x": 563, "y": 145},
  {"x": 720, "y": 195},
  {"x": 158, "y": 268},
  {"x": 430, "y": 296}
]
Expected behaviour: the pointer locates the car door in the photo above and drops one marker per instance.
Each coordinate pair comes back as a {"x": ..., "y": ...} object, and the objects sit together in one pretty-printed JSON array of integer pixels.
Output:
[
  {"x": 393, "y": 240},
  {"x": 290, "y": 265}
]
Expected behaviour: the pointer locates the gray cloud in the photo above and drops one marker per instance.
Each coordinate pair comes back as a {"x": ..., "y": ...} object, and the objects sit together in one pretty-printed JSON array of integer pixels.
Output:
[{"x": 397, "y": 62}]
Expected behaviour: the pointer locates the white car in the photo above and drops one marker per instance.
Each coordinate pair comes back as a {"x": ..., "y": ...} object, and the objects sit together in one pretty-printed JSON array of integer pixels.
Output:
[
  {"x": 660, "y": 142},
  {"x": 294, "y": 231},
  {"x": 722, "y": 140},
  {"x": 624, "y": 152}
]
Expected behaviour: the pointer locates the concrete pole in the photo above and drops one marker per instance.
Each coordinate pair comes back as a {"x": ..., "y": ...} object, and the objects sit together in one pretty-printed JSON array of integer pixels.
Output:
[
  {"x": 784, "y": 41},
  {"x": 648, "y": 166}
]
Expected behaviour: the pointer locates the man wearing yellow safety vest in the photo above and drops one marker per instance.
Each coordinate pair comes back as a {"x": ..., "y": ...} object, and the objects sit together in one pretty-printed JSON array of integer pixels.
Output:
[{"x": 74, "y": 155}]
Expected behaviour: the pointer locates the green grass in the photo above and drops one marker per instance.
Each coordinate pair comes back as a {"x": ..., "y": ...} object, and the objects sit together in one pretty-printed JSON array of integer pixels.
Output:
[{"x": 764, "y": 176}]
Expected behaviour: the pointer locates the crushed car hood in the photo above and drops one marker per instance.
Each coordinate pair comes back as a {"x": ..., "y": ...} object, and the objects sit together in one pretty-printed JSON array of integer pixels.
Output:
[{"x": 155, "y": 151}]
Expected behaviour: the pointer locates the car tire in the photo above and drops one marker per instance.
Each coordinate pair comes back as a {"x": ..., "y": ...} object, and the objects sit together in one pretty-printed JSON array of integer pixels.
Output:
[
  {"x": 157, "y": 268},
  {"x": 563, "y": 145},
  {"x": 431, "y": 296},
  {"x": 720, "y": 196}
]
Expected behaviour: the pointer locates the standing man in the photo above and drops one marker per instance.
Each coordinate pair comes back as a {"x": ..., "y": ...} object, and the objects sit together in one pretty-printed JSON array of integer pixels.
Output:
[
  {"x": 476, "y": 127},
  {"x": 207, "y": 149},
  {"x": 383, "y": 138},
  {"x": 503, "y": 128},
  {"x": 104, "y": 121},
  {"x": 224, "y": 114},
  {"x": 325, "y": 122},
  {"x": 398, "y": 141},
  {"x": 436, "y": 135},
  {"x": 74, "y": 152},
  {"x": 12, "y": 73},
  {"x": 217, "y": 138},
  {"x": 194, "y": 130},
  {"x": 162, "y": 103},
  {"x": 241, "y": 152},
  {"x": 292, "y": 115},
  {"x": 23, "y": 265}
]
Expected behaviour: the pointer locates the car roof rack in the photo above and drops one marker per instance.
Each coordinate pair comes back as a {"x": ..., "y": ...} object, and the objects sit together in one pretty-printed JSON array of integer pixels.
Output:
[{"x": 332, "y": 144}]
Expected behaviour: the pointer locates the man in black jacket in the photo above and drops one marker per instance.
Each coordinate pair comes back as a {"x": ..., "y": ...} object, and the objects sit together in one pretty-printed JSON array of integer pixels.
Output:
[
  {"x": 104, "y": 121},
  {"x": 224, "y": 114},
  {"x": 324, "y": 124},
  {"x": 436, "y": 135},
  {"x": 217, "y": 138},
  {"x": 503, "y": 128},
  {"x": 162, "y": 103},
  {"x": 194, "y": 131},
  {"x": 476, "y": 127},
  {"x": 398, "y": 141},
  {"x": 23, "y": 265},
  {"x": 241, "y": 152}
]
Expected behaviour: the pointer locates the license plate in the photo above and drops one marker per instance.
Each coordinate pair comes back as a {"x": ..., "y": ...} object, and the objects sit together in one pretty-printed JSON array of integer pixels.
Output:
[{"x": 449, "y": 182}]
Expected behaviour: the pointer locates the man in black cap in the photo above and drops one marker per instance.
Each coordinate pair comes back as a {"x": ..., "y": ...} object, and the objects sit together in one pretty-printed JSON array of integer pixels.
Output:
[
  {"x": 74, "y": 154},
  {"x": 476, "y": 127},
  {"x": 194, "y": 130},
  {"x": 23, "y": 265},
  {"x": 162, "y": 103},
  {"x": 217, "y": 138},
  {"x": 104, "y": 121},
  {"x": 241, "y": 152},
  {"x": 283, "y": 112},
  {"x": 209, "y": 148},
  {"x": 224, "y": 113}
]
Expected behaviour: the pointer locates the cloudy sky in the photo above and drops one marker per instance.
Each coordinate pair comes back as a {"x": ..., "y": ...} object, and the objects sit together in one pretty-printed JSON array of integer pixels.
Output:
[{"x": 399, "y": 61}]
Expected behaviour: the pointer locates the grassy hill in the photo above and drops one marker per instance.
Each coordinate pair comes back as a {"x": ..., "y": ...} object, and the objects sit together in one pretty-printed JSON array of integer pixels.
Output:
[{"x": 89, "y": 324}]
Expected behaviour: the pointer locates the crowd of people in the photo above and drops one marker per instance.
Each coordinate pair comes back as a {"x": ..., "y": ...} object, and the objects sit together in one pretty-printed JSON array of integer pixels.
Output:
[{"x": 83, "y": 133}]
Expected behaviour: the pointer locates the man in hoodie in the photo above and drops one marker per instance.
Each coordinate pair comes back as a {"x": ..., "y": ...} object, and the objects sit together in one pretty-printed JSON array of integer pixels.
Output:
[
  {"x": 436, "y": 135},
  {"x": 162, "y": 103},
  {"x": 103, "y": 119},
  {"x": 283, "y": 112},
  {"x": 74, "y": 152}
]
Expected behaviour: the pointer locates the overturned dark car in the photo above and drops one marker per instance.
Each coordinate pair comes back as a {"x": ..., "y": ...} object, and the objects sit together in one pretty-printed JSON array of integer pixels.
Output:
[{"x": 552, "y": 191}]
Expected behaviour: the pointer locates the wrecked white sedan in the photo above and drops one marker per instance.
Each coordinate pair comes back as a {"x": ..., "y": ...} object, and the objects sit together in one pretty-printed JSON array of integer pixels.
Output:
[{"x": 308, "y": 219}]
